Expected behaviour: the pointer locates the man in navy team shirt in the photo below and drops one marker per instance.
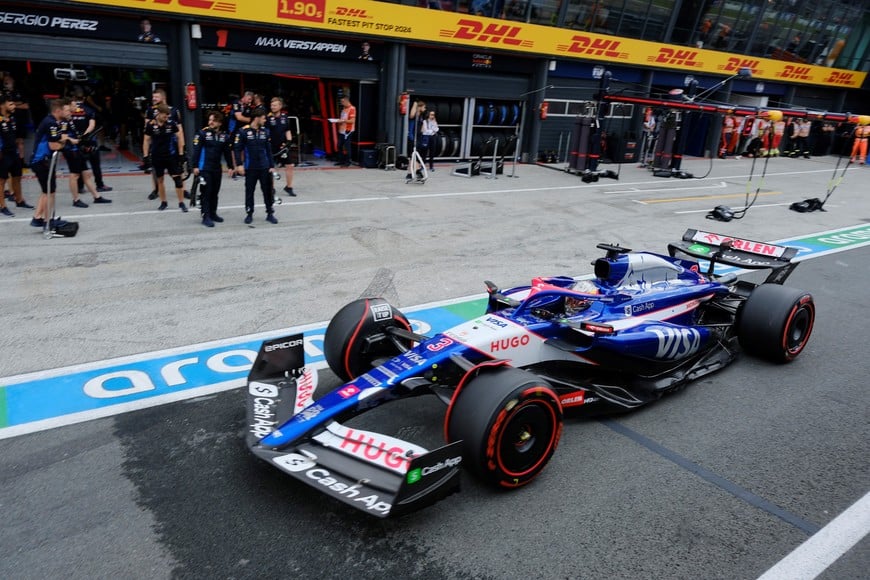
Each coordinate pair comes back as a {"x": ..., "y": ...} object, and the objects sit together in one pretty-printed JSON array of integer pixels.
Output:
[
  {"x": 162, "y": 148},
  {"x": 81, "y": 123},
  {"x": 253, "y": 160},
  {"x": 280, "y": 136},
  {"x": 210, "y": 145},
  {"x": 50, "y": 138}
]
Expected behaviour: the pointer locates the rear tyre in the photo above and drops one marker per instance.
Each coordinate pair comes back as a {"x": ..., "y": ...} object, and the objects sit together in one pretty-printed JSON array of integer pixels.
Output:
[
  {"x": 775, "y": 322},
  {"x": 356, "y": 338},
  {"x": 510, "y": 422}
]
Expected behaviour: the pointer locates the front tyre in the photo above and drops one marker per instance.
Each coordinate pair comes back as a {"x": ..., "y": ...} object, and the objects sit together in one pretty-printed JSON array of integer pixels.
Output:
[
  {"x": 356, "y": 337},
  {"x": 510, "y": 422},
  {"x": 775, "y": 322}
]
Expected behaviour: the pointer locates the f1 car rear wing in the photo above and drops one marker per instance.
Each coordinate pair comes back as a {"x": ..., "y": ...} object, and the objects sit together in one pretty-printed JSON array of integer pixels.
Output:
[
  {"x": 739, "y": 252},
  {"x": 378, "y": 474}
]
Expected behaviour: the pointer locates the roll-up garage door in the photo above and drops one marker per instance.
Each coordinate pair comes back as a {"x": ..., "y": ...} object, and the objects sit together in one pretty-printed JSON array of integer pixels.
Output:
[
  {"x": 814, "y": 98},
  {"x": 82, "y": 52},
  {"x": 274, "y": 64},
  {"x": 454, "y": 84}
]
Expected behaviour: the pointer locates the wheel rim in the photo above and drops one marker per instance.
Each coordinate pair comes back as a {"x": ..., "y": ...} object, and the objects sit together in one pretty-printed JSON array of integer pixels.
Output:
[
  {"x": 526, "y": 438},
  {"x": 798, "y": 330}
]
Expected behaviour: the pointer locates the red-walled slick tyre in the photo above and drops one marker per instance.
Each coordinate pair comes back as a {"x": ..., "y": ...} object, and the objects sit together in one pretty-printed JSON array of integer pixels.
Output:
[
  {"x": 775, "y": 322},
  {"x": 356, "y": 338},
  {"x": 510, "y": 422}
]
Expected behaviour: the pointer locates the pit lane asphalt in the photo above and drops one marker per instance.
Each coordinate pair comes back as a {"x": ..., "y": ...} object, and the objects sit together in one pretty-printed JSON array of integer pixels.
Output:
[{"x": 170, "y": 491}]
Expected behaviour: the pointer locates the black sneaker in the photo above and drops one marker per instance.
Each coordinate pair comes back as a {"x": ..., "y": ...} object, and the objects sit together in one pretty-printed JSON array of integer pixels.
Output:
[
  {"x": 79, "y": 203},
  {"x": 23, "y": 204},
  {"x": 289, "y": 191},
  {"x": 249, "y": 218},
  {"x": 153, "y": 195},
  {"x": 102, "y": 199},
  {"x": 216, "y": 218},
  {"x": 5, "y": 211},
  {"x": 271, "y": 218},
  {"x": 9, "y": 195},
  {"x": 103, "y": 188},
  {"x": 206, "y": 221},
  {"x": 182, "y": 207},
  {"x": 163, "y": 205},
  {"x": 37, "y": 222}
]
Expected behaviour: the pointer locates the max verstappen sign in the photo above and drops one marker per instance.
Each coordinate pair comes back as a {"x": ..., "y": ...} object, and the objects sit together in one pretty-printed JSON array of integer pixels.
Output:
[{"x": 250, "y": 40}]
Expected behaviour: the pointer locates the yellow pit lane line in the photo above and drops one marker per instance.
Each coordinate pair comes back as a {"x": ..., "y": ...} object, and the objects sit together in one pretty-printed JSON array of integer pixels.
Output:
[{"x": 703, "y": 197}]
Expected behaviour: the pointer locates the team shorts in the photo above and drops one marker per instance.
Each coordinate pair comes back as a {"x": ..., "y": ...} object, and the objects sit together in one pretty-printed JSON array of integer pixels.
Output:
[
  {"x": 41, "y": 169},
  {"x": 76, "y": 162},
  {"x": 10, "y": 164},
  {"x": 166, "y": 165}
]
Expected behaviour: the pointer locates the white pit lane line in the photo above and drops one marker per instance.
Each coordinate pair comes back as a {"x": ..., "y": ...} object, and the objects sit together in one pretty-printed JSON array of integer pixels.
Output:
[
  {"x": 741, "y": 208},
  {"x": 826, "y": 546}
]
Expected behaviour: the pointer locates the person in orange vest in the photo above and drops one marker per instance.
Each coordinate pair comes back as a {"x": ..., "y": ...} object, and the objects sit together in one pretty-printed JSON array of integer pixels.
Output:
[
  {"x": 728, "y": 128},
  {"x": 735, "y": 136},
  {"x": 778, "y": 132},
  {"x": 862, "y": 136},
  {"x": 762, "y": 127}
]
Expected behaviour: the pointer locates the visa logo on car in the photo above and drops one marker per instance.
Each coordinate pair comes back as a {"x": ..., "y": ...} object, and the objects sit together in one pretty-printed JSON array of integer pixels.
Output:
[{"x": 676, "y": 342}]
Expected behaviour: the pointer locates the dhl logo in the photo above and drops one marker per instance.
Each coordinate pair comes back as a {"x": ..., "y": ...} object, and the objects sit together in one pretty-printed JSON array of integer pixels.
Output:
[
  {"x": 198, "y": 4},
  {"x": 734, "y": 65},
  {"x": 841, "y": 78},
  {"x": 677, "y": 57},
  {"x": 798, "y": 73},
  {"x": 352, "y": 12},
  {"x": 593, "y": 47},
  {"x": 492, "y": 33}
]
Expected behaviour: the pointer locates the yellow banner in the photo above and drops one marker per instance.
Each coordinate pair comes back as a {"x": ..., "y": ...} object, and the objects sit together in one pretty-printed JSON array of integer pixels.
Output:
[{"x": 386, "y": 20}]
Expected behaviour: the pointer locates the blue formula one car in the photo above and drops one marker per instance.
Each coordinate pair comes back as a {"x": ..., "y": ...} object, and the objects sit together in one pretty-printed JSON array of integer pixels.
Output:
[{"x": 643, "y": 326}]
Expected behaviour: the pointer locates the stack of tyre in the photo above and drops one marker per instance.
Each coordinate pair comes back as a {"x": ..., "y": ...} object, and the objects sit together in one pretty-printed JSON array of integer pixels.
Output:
[
  {"x": 494, "y": 129},
  {"x": 448, "y": 141}
]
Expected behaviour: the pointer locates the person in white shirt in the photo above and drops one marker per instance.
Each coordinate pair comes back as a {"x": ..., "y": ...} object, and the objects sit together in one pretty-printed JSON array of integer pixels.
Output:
[{"x": 429, "y": 131}]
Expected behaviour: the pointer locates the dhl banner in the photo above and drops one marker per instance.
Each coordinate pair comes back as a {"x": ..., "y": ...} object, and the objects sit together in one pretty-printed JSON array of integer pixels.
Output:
[{"x": 387, "y": 20}]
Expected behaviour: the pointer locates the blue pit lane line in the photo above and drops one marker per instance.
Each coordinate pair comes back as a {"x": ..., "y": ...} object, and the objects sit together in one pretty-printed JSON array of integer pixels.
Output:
[
  {"x": 48, "y": 399},
  {"x": 752, "y": 499}
]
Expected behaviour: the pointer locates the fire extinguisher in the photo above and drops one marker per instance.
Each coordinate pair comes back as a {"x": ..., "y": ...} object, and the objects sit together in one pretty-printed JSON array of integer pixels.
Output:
[
  {"x": 545, "y": 106},
  {"x": 191, "y": 96},
  {"x": 404, "y": 98}
]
